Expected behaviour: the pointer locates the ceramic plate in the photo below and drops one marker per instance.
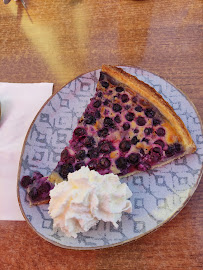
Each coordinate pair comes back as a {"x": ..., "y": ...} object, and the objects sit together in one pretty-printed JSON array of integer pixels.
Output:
[{"x": 157, "y": 196}]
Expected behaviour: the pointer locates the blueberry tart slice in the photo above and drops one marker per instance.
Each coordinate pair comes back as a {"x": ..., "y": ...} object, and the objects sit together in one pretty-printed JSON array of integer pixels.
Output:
[{"x": 127, "y": 127}]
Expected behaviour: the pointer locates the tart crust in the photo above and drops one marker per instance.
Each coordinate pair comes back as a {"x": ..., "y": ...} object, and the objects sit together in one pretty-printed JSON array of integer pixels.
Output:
[
  {"x": 137, "y": 86},
  {"x": 39, "y": 202}
]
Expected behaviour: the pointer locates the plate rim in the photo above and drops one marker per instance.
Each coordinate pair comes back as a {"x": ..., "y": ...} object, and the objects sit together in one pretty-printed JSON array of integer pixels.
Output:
[{"x": 130, "y": 239}]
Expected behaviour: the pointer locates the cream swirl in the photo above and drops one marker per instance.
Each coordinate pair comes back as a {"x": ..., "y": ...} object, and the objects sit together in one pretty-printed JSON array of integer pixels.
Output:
[{"x": 87, "y": 197}]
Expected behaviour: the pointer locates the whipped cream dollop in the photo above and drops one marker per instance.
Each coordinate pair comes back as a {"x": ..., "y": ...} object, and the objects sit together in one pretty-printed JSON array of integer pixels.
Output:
[{"x": 87, "y": 197}]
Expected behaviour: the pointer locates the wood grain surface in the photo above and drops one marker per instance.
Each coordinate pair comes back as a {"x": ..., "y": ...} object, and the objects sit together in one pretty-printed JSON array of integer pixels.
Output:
[{"x": 55, "y": 41}]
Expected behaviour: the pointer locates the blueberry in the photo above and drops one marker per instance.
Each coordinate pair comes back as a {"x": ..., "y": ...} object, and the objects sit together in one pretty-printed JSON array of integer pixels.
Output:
[
  {"x": 79, "y": 132},
  {"x": 108, "y": 122},
  {"x": 103, "y": 132},
  {"x": 124, "y": 98},
  {"x": 150, "y": 113},
  {"x": 160, "y": 142},
  {"x": 26, "y": 181},
  {"x": 134, "y": 99},
  {"x": 178, "y": 147},
  {"x": 110, "y": 92},
  {"x": 125, "y": 145},
  {"x": 90, "y": 119},
  {"x": 105, "y": 84},
  {"x": 134, "y": 158},
  {"x": 145, "y": 140},
  {"x": 93, "y": 165},
  {"x": 121, "y": 163},
  {"x": 70, "y": 160},
  {"x": 111, "y": 80},
  {"x": 148, "y": 131},
  {"x": 136, "y": 130},
  {"x": 126, "y": 126},
  {"x": 99, "y": 94},
  {"x": 130, "y": 116},
  {"x": 89, "y": 141},
  {"x": 97, "y": 104},
  {"x": 105, "y": 147},
  {"x": 97, "y": 114},
  {"x": 65, "y": 169},
  {"x": 138, "y": 108},
  {"x": 64, "y": 155},
  {"x": 102, "y": 76},
  {"x": 104, "y": 163},
  {"x": 117, "y": 119},
  {"x": 141, "y": 121},
  {"x": 142, "y": 151},
  {"x": 70, "y": 168},
  {"x": 80, "y": 155},
  {"x": 155, "y": 154},
  {"x": 33, "y": 194},
  {"x": 160, "y": 132},
  {"x": 156, "y": 122},
  {"x": 81, "y": 139},
  {"x": 117, "y": 107},
  {"x": 119, "y": 89},
  {"x": 157, "y": 150},
  {"x": 93, "y": 153},
  {"x": 170, "y": 151},
  {"x": 106, "y": 102},
  {"x": 134, "y": 140},
  {"x": 36, "y": 175},
  {"x": 79, "y": 165},
  {"x": 44, "y": 188}
]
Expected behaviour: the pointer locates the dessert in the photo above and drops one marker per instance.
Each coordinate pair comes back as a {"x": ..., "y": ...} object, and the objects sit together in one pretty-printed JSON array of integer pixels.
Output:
[
  {"x": 37, "y": 188},
  {"x": 87, "y": 197},
  {"x": 127, "y": 127}
]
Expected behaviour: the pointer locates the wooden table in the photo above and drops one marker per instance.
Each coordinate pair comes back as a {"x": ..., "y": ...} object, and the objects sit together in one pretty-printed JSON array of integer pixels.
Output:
[{"x": 59, "y": 40}]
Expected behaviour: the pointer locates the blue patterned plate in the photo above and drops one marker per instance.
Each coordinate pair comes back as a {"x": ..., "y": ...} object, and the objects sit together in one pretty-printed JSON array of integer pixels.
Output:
[{"x": 157, "y": 196}]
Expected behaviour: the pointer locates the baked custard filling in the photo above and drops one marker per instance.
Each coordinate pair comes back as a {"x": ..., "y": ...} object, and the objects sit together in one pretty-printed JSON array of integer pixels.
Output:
[{"x": 119, "y": 133}]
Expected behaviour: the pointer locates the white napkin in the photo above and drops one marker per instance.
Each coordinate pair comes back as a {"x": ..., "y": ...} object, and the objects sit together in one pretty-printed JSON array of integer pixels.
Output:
[{"x": 19, "y": 105}]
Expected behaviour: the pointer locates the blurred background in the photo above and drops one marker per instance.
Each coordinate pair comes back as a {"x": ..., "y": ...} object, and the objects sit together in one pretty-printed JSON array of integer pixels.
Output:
[{"x": 56, "y": 41}]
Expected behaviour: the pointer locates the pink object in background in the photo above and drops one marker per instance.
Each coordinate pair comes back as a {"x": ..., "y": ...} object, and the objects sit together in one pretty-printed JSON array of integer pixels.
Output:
[{"x": 19, "y": 105}]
